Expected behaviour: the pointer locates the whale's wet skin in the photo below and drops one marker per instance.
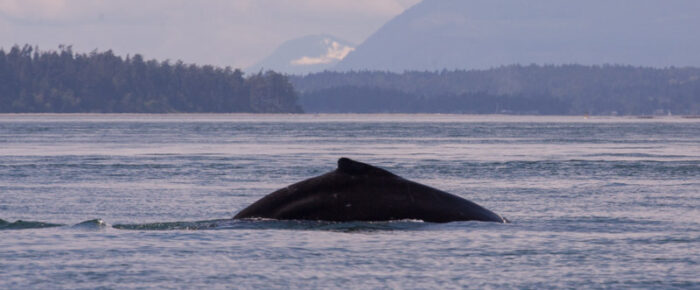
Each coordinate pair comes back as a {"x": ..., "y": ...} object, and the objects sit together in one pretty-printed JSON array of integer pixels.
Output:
[
  {"x": 357, "y": 191},
  {"x": 146, "y": 201}
]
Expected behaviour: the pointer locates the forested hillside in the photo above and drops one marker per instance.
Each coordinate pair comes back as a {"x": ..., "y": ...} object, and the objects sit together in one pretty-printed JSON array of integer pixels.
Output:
[
  {"x": 63, "y": 81},
  {"x": 567, "y": 89}
]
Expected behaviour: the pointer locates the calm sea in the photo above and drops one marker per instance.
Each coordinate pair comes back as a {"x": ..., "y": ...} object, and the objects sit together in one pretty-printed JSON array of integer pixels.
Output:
[{"x": 145, "y": 201}]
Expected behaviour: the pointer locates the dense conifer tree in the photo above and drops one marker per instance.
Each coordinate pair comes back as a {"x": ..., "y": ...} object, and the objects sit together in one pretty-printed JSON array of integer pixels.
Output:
[
  {"x": 63, "y": 81},
  {"x": 516, "y": 89}
]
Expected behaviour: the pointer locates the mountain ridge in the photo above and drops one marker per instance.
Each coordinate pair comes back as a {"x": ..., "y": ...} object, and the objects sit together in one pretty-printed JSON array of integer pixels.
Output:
[{"x": 478, "y": 34}]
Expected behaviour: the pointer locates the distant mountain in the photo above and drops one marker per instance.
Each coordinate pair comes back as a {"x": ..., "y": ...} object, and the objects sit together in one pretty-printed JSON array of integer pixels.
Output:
[
  {"x": 313, "y": 53},
  {"x": 480, "y": 34}
]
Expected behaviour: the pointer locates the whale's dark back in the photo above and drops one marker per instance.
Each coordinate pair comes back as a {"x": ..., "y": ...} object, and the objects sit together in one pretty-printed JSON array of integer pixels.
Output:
[{"x": 357, "y": 191}]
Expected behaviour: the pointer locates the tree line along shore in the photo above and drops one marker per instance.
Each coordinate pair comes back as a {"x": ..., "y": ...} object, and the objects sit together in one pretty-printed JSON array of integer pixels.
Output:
[
  {"x": 62, "y": 81},
  {"x": 100, "y": 82},
  {"x": 514, "y": 89}
]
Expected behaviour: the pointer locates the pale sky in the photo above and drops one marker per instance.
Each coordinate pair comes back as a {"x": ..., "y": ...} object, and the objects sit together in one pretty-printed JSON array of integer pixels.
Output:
[{"x": 233, "y": 33}]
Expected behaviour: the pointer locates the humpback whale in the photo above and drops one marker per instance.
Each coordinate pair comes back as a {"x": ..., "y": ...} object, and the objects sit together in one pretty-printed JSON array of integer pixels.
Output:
[{"x": 356, "y": 191}]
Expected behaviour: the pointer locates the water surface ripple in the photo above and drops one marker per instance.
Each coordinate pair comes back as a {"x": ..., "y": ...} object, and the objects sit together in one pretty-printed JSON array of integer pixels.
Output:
[{"x": 144, "y": 201}]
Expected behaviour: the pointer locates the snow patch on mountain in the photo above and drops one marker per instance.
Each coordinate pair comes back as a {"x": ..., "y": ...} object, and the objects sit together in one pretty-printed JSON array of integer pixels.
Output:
[
  {"x": 308, "y": 54},
  {"x": 334, "y": 53}
]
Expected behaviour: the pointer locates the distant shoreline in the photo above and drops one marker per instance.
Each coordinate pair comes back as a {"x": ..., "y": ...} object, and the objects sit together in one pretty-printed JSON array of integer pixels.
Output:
[{"x": 330, "y": 118}]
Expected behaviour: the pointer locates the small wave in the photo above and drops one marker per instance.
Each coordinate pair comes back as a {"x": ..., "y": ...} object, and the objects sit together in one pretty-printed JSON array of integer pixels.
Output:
[
  {"x": 264, "y": 224},
  {"x": 94, "y": 224},
  {"x": 183, "y": 225},
  {"x": 637, "y": 155},
  {"x": 601, "y": 224},
  {"x": 231, "y": 224},
  {"x": 21, "y": 225},
  {"x": 615, "y": 184}
]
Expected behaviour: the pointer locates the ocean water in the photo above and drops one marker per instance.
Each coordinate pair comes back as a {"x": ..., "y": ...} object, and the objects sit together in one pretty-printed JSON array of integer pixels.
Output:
[{"x": 145, "y": 201}]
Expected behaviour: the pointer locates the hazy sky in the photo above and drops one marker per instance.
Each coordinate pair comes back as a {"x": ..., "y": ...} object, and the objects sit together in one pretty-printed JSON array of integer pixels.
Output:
[{"x": 221, "y": 32}]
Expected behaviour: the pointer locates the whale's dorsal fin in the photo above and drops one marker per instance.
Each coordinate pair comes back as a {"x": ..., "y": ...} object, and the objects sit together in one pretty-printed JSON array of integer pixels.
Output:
[{"x": 352, "y": 167}]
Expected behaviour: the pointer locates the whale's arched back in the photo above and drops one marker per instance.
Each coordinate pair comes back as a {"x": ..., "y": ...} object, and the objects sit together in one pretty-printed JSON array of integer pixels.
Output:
[{"x": 357, "y": 191}]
